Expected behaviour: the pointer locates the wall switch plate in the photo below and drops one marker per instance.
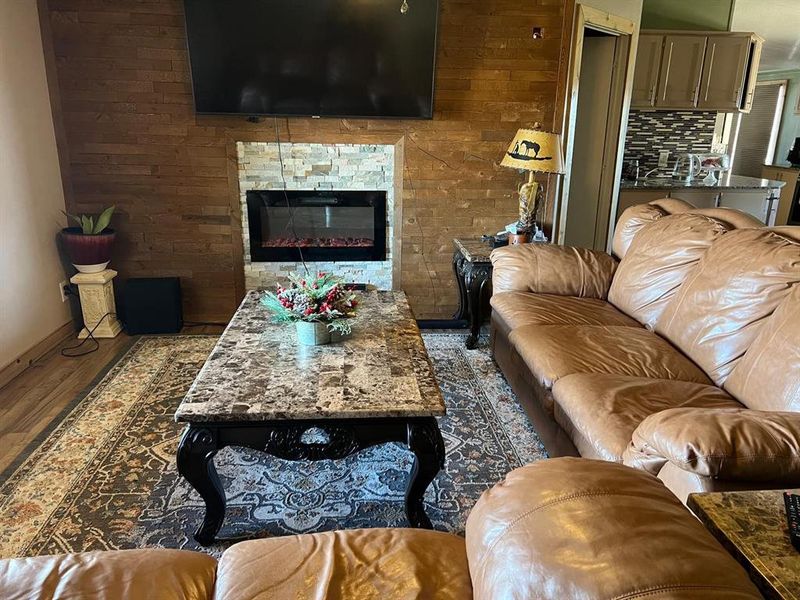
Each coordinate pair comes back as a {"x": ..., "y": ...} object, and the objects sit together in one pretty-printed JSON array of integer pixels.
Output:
[
  {"x": 62, "y": 290},
  {"x": 663, "y": 158}
]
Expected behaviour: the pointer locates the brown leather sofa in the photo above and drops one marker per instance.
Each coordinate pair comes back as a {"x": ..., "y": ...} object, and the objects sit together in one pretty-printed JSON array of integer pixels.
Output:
[
  {"x": 561, "y": 529},
  {"x": 678, "y": 353}
]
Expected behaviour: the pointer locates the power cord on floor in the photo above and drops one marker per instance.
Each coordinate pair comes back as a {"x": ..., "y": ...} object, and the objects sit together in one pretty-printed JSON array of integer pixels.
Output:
[{"x": 89, "y": 338}]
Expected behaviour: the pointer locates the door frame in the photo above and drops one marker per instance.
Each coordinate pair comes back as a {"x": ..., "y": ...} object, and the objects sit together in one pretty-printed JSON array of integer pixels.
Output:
[{"x": 624, "y": 60}]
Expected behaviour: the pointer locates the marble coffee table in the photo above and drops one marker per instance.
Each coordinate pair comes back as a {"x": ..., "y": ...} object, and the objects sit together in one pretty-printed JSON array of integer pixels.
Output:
[{"x": 260, "y": 390}]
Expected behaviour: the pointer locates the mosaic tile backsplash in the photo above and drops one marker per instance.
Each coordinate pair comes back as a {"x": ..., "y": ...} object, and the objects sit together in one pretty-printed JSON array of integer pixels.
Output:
[{"x": 676, "y": 131}]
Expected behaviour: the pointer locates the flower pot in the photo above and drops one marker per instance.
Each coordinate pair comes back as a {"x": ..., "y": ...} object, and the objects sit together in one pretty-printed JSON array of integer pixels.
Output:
[
  {"x": 312, "y": 333},
  {"x": 88, "y": 253}
]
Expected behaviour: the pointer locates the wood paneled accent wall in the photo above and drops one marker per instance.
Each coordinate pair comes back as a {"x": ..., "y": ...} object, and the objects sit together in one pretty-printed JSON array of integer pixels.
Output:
[{"x": 134, "y": 140}]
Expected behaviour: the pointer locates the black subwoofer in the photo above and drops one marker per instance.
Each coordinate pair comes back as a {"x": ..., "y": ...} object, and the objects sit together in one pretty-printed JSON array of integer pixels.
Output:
[{"x": 152, "y": 305}]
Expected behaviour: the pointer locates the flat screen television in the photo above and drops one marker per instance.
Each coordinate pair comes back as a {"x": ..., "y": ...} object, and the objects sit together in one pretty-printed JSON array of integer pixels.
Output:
[{"x": 326, "y": 58}]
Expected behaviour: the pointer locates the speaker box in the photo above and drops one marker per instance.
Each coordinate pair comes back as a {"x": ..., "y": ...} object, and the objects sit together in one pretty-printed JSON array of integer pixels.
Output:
[{"x": 152, "y": 305}]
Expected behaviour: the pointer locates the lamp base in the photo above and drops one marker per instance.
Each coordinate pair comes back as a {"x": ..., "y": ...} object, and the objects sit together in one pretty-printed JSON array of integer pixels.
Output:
[{"x": 518, "y": 238}]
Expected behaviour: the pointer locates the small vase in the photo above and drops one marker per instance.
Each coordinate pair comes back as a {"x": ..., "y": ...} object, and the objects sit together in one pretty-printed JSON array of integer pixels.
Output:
[{"x": 312, "y": 333}]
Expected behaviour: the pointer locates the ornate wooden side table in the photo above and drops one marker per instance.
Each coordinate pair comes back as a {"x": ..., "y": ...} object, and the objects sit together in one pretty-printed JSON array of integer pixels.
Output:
[
  {"x": 473, "y": 271},
  {"x": 752, "y": 527}
]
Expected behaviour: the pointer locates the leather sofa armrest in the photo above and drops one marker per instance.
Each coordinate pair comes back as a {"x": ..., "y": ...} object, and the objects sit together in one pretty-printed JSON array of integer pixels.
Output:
[
  {"x": 552, "y": 269},
  {"x": 552, "y": 528},
  {"x": 721, "y": 443}
]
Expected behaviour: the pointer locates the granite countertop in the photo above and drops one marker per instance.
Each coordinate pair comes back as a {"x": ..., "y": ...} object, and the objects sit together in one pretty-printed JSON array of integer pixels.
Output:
[
  {"x": 474, "y": 249},
  {"x": 726, "y": 182},
  {"x": 257, "y": 371},
  {"x": 752, "y": 527}
]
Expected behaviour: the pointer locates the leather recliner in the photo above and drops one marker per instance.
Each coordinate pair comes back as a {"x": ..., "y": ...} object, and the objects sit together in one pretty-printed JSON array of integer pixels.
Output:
[
  {"x": 558, "y": 529},
  {"x": 677, "y": 353}
]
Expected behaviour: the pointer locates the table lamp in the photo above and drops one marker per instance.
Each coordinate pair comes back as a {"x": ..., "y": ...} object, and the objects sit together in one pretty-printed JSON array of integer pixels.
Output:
[{"x": 535, "y": 151}]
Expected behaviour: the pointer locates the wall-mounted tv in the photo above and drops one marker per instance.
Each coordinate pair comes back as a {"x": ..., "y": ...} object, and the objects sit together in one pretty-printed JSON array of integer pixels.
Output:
[{"x": 327, "y": 58}]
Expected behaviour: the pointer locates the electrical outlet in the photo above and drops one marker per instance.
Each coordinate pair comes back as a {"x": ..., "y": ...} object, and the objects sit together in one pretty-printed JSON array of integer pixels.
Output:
[
  {"x": 62, "y": 287},
  {"x": 663, "y": 158}
]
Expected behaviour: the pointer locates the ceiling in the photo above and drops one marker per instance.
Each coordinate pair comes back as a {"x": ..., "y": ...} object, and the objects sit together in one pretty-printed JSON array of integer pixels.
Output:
[{"x": 778, "y": 22}]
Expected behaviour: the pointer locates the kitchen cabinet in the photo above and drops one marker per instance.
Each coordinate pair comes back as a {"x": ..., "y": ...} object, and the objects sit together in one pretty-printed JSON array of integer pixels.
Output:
[
  {"x": 759, "y": 203},
  {"x": 787, "y": 192},
  {"x": 724, "y": 76},
  {"x": 681, "y": 68},
  {"x": 696, "y": 71},
  {"x": 648, "y": 64}
]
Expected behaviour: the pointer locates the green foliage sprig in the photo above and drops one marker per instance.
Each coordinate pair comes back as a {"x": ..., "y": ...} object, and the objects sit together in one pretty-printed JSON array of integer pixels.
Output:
[
  {"x": 88, "y": 224},
  {"x": 324, "y": 298}
]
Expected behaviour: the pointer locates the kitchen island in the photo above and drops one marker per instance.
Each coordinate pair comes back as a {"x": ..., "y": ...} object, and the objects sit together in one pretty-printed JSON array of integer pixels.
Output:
[{"x": 753, "y": 195}]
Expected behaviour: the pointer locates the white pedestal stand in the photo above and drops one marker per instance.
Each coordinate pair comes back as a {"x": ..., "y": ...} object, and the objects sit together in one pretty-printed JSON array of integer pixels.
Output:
[{"x": 97, "y": 299}]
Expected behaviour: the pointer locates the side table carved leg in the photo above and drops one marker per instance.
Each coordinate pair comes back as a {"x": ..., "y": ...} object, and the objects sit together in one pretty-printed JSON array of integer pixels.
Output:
[
  {"x": 425, "y": 441},
  {"x": 196, "y": 463},
  {"x": 458, "y": 271},
  {"x": 477, "y": 281}
]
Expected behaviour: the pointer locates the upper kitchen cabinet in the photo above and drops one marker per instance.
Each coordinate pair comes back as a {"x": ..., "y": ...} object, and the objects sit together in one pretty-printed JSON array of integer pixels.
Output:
[
  {"x": 681, "y": 67},
  {"x": 648, "y": 64},
  {"x": 724, "y": 84},
  {"x": 696, "y": 71}
]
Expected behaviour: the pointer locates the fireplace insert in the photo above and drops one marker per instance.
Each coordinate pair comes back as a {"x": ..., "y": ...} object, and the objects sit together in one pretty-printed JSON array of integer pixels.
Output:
[{"x": 322, "y": 224}]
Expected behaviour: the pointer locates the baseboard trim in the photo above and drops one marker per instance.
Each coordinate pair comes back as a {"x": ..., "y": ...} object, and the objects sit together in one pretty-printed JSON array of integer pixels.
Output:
[{"x": 27, "y": 358}]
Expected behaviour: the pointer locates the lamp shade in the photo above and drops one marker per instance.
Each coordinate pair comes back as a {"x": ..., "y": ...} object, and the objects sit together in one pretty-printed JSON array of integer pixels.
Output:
[{"x": 535, "y": 150}]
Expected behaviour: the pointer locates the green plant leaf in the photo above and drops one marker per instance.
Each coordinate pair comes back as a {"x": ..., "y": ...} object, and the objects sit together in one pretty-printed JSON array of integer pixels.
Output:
[
  {"x": 103, "y": 220},
  {"x": 73, "y": 217},
  {"x": 87, "y": 224}
]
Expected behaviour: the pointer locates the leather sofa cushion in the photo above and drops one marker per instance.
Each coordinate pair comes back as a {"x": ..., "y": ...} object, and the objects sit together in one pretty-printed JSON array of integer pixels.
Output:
[
  {"x": 768, "y": 375},
  {"x": 516, "y": 309},
  {"x": 658, "y": 261},
  {"x": 340, "y": 565},
  {"x": 600, "y": 412},
  {"x": 577, "y": 528},
  {"x": 150, "y": 573},
  {"x": 555, "y": 351},
  {"x": 552, "y": 269},
  {"x": 630, "y": 223},
  {"x": 722, "y": 306}
]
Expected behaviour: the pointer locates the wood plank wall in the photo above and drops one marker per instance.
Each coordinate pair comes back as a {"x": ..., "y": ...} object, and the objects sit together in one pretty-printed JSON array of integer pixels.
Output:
[{"x": 134, "y": 140}]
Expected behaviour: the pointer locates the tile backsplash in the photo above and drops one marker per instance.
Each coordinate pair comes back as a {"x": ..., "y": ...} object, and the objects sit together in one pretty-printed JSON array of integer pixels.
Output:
[{"x": 676, "y": 131}]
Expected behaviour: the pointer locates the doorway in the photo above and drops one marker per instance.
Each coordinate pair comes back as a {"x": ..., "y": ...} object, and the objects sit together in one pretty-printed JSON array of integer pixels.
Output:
[{"x": 600, "y": 74}]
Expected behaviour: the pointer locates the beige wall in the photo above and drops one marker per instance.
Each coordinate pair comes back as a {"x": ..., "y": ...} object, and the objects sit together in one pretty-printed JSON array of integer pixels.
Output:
[{"x": 31, "y": 194}]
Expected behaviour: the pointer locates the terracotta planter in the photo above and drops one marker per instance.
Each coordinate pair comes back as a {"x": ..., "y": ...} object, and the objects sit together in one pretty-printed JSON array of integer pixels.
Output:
[{"x": 88, "y": 253}]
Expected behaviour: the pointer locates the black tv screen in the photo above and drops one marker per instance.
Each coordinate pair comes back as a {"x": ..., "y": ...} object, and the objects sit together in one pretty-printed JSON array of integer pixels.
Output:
[{"x": 328, "y": 58}]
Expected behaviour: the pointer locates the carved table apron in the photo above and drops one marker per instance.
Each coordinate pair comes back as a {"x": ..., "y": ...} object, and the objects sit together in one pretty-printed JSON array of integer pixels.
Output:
[{"x": 285, "y": 439}]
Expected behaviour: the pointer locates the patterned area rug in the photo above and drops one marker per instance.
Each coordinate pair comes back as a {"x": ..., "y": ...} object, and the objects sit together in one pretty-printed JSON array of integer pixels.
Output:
[{"x": 104, "y": 477}]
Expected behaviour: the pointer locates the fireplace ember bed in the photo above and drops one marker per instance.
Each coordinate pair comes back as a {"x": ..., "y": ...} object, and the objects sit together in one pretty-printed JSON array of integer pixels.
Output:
[{"x": 324, "y": 225}]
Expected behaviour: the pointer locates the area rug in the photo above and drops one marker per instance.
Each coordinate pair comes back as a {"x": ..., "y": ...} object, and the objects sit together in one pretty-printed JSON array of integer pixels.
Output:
[{"x": 104, "y": 476}]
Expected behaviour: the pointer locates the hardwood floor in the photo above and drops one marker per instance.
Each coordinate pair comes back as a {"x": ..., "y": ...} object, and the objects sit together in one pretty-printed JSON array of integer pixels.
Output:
[{"x": 30, "y": 401}]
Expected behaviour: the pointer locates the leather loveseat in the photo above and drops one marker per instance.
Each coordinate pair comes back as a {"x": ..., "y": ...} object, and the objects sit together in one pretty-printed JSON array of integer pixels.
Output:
[
  {"x": 558, "y": 529},
  {"x": 678, "y": 353}
]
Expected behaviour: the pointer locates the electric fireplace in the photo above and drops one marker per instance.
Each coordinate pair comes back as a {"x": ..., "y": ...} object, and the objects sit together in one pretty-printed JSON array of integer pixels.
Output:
[{"x": 322, "y": 225}]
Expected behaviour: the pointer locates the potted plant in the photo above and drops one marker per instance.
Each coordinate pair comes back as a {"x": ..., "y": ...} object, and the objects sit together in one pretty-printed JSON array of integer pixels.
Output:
[
  {"x": 318, "y": 307},
  {"x": 89, "y": 243}
]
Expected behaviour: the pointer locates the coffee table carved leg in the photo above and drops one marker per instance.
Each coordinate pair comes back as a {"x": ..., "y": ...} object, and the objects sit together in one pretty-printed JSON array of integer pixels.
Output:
[
  {"x": 425, "y": 441},
  {"x": 196, "y": 463}
]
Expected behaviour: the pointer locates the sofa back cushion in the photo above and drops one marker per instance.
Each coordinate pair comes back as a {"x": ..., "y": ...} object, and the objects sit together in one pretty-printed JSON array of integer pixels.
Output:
[
  {"x": 630, "y": 223},
  {"x": 768, "y": 376},
  {"x": 720, "y": 309},
  {"x": 658, "y": 261}
]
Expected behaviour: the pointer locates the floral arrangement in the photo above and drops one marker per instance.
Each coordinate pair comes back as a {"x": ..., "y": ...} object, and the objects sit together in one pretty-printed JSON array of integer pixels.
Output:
[{"x": 322, "y": 299}]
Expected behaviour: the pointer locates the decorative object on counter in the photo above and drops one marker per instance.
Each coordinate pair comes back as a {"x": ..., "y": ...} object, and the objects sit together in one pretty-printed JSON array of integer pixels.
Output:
[
  {"x": 630, "y": 170},
  {"x": 794, "y": 154},
  {"x": 89, "y": 244},
  {"x": 687, "y": 167},
  {"x": 713, "y": 163},
  {"x": 320, "y": 307},
  {"x": 751, "y": 526},
  {"x": 534, "y": 151},
  {"x": 96, "y": 291}
]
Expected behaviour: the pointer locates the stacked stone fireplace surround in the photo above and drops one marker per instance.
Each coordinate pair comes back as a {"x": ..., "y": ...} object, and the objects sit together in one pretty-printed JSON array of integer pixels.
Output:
[{"x": 320, "y": 167}]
